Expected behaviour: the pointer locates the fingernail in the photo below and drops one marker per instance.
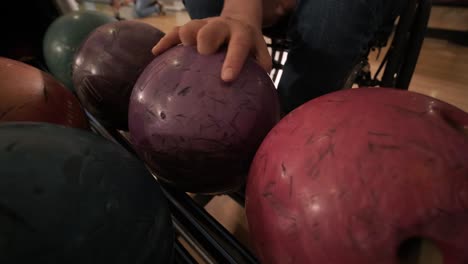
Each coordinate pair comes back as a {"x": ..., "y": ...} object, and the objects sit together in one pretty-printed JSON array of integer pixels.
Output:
[{"x": 227, "y": 74}]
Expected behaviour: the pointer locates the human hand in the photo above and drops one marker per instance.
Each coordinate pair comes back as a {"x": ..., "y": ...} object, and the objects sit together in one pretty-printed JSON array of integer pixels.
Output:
[{"x": 210, "y": 34}]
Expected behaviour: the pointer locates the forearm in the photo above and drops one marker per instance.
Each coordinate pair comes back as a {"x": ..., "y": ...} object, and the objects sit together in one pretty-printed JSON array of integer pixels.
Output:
[{"x": 249, "y": 11}]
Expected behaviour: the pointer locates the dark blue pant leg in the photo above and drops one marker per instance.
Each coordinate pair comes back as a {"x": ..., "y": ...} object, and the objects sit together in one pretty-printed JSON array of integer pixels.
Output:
[
  {"x": 329, "y": 37},
  {"x": 145, "y": 8},
  {"x": 199, "y": 9}
]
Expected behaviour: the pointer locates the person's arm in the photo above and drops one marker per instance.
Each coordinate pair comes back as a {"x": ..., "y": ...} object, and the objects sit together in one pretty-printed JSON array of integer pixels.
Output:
[{"x": 239, "y": 25}]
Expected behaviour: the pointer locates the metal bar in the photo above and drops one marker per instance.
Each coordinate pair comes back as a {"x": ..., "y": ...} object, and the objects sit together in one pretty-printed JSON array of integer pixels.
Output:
[
  {"x": 212, "y": 235},
  {"x": 182, "y": 256},
  {"x": 416, "y": 38},
  {"x": 202, "y": 199},
  {"x": 455, "y": 36},
  {"x": 238, "y": 197},
  {"x": 399, "y": 45},
  {"x": 192, "y": 242}
]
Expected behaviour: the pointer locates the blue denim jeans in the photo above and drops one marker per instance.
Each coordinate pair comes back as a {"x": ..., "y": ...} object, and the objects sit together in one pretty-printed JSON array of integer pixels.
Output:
[
  {"x": 328, "y": 38},
  {"x": 144, "y": 8}
]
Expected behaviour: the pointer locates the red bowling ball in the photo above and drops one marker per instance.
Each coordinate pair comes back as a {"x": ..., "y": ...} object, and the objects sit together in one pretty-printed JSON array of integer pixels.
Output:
[
  {"x": 354, "y": 176},
  {"x": 29, "y": 94}
]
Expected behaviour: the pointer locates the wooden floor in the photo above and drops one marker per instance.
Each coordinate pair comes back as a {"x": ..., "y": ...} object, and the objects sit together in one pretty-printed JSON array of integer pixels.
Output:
[{"x": 441, "y": 72}]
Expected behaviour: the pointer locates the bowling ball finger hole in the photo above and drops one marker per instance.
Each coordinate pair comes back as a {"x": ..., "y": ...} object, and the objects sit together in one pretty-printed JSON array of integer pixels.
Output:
[{"x": 418, "y": 250}]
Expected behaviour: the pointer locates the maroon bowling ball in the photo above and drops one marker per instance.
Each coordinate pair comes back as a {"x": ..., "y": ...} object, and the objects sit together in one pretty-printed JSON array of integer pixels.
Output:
[
  {"x": 28, "y": 94},
  {"x": 107, "y": 65},
  {"x": 196, "y": 131},
  {"x": 356, "y": 175}
]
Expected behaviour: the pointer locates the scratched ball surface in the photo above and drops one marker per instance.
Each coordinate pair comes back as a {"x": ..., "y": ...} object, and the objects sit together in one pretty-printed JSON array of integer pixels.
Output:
[
  {"x": 196, "y": 131},
  {"x": 352, "y": 176},
  {"x": 107, "y": 65},
  {"x": 29, "y": 94},
  {"x": 70, "y": 196}
]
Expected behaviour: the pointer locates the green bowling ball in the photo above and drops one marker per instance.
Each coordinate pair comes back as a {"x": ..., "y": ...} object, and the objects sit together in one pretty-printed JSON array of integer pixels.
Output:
[{"x": 64, "y": 36}]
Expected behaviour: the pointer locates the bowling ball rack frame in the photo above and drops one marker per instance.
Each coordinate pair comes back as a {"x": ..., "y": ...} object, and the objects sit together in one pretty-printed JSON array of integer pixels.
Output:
[
  {"x": 201, "y": 231},
  {"x": 399, "y": 61},
  {"x": 455, "y": 36}
]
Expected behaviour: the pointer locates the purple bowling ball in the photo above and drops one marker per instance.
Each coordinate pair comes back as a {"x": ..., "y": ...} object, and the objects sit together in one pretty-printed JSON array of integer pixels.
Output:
[
  {"x": 107, "y": 65},
  {"x": 196, "y": 131}
]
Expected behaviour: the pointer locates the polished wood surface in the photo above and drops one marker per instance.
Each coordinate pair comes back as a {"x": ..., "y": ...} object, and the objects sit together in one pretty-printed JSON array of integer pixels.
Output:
[
  {"x": 442, "y": 72},
  {"x": 449, "y": 18}
]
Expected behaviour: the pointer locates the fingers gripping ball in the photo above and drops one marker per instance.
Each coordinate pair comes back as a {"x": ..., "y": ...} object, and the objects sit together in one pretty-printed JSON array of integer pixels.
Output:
[
  {"x": 198, "y": 132},
  {"x": 208, "y": 35}
]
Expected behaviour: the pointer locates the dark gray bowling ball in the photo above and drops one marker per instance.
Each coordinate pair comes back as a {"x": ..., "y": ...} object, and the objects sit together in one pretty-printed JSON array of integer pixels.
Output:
[{"x": 70, "y": 196}]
